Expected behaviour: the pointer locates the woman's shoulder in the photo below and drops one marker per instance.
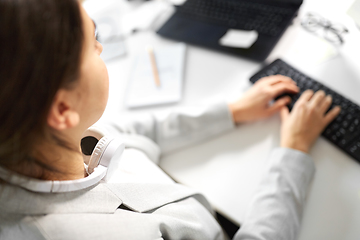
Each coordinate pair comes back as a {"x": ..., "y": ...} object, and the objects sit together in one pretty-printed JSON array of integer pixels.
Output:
[{"x": 110, "y": 210}]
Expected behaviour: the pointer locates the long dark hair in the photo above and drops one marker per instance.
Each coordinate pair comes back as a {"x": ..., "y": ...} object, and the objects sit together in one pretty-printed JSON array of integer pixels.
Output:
[{"x": 40, "y": 52}]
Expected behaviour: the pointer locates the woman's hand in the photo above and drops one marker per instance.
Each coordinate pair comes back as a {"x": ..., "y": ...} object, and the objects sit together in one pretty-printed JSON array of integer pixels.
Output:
[
  {"x": 254, "y": 104},
  {"x": 307, "y": 120}
]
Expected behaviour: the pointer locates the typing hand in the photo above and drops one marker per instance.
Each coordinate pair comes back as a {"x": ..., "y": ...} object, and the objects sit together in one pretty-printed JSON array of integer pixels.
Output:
[
  {"x": 254, "y": 104},
  {"x": 307, "y": 120}
]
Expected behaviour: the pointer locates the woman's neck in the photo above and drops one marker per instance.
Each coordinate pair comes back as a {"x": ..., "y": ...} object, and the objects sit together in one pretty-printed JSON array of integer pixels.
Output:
[
  {"x": 53, "y": 162},
  {"x": 63, "y": 163}
]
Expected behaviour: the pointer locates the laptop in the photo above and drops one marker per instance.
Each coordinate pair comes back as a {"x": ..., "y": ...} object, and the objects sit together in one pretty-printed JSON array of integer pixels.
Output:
[{"x": 205, "y": 22}]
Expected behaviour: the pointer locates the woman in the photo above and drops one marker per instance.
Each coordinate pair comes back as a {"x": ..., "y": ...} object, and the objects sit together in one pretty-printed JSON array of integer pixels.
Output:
[{"x": 55, "y": 86}]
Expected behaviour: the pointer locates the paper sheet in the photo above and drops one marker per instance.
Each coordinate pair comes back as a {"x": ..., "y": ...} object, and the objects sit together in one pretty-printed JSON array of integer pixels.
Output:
[
  {"x": 142, "y": 90},
  {"x": 239, "y": 38}
]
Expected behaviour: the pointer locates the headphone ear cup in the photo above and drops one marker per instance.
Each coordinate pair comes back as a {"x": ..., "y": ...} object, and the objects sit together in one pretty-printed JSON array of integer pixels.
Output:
[
  {"x": 97, "y": 153},
  {"x": 88, "y": 142}
]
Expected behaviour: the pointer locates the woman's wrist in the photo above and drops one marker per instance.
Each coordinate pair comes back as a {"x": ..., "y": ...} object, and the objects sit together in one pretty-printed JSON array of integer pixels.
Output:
[
  {"x": 235, "y": 113},
  {"x": 232, "y": 111},
  {"x": 295, "y": 145}
]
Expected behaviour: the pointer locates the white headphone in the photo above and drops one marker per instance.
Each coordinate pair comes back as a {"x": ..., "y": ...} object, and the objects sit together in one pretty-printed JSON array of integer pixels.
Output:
[{"x": 101, "y": 157}]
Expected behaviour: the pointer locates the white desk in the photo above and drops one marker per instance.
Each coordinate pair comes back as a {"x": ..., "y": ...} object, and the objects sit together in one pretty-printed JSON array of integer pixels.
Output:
[{"x": 227, "y": 169}]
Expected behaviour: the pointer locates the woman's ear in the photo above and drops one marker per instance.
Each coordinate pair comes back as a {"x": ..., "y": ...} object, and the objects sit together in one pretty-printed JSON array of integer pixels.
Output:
[{"x": 62, "y": 115}]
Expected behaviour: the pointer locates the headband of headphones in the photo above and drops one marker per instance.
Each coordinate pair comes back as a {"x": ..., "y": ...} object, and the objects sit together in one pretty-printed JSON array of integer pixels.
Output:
[{"x": 101, "y": 157}]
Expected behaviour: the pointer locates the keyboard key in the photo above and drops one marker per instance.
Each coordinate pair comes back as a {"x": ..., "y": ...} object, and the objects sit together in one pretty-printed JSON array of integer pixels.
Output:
[
  {"x": 344, "y": 105},
  {"x": 282, "y": 72},
  {"x": 328, "y": 132},
  {"x": 339, "y": 119},
  {"x": 337, "y": 101},
  {"x": 335, "y": 126},
  {"x": 315, "y": 87},
  {"x": 334, "y": 138},
  {"x": 347, "y": 138},
  {"x": 270, "y": 72},
  {"x": 300, "y": 85},
  {"x": 342, "y": 131},
  {"x": 352, "y": 128},
  {"x": 354, "y": 150}
]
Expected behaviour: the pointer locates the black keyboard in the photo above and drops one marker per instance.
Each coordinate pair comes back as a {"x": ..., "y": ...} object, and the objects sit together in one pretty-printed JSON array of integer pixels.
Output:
[
  {"x": 344, "y": 131},
  {"x": 265, "y": 18}
]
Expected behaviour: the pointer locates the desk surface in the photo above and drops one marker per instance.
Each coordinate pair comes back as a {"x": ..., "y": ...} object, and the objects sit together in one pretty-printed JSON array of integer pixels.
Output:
[{"x": 227, "y": 169}]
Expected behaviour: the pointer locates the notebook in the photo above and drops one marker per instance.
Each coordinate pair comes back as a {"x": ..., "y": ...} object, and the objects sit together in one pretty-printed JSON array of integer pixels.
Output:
[{"x": 142, "y": 90}]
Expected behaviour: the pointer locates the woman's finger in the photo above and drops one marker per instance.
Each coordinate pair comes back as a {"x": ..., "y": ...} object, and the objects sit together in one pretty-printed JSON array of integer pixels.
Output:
[
  {"x": 279, "y": 104},
  {"x": 305, "y": 97},
  {"x": 284, "y": 113},
  {"x": 324, "y": 106},
  {"x": 281, "y": 88},
  {"x": 274, "y": 79},
  {"x": 331, "y": 115},
  {"x": 317, "y": 99}
]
